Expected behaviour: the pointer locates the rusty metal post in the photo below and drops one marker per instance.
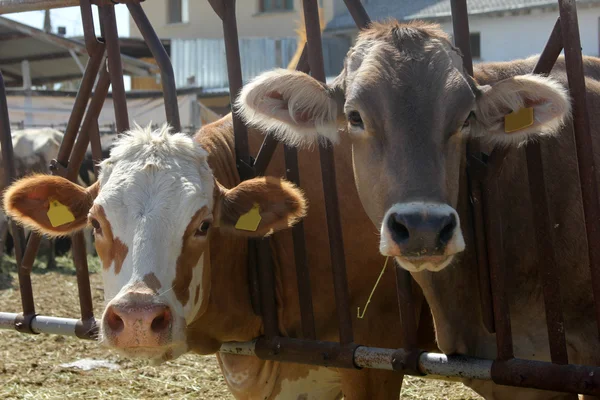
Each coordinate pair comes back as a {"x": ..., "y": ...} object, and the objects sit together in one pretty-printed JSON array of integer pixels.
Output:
[
  {"x": 23, "y": 324},
  {"x": 162, "y": 60},
  {"x": 91, "y": 118},
  {"x": 302, "y": 271},
  {"x": 334, "y": 224},
  {"x": 476, "y": 171},
  {"x": 358, "y": 13},
  {"x": 541, "y": 217},
  {"x": 583, "y": 140},
  {"x": 113, "y": 50},
  {"x": 225, "y": 9}
]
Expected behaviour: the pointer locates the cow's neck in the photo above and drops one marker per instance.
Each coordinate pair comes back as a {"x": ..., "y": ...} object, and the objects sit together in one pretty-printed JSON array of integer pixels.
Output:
[
  {"x": 453, "y": 293},
  {"x": 229, "y": 315}
]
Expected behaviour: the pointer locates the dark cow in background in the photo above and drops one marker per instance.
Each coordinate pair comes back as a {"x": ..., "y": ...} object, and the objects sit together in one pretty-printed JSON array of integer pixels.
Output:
[
  {"x": 86, "y": 171},
  {"x": 408, "y": 107}
]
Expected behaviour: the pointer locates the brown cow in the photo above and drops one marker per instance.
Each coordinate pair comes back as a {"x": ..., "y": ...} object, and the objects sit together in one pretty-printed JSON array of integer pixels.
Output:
[
  {"x": 175, "y": 268},
  {"x": 407, "y": 105}
]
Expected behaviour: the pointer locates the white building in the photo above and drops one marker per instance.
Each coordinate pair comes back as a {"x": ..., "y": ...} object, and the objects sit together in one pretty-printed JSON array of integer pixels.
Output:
[{"x": 501, "y": 30}]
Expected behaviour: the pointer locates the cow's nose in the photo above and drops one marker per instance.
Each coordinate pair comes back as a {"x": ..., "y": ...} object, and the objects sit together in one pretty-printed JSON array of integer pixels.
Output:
[
  {"x": 137, "y": 325},
  {"x": 422, "y": 232}
]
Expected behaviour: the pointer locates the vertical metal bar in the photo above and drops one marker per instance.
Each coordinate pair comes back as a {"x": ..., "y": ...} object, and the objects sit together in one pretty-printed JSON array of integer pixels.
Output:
[
  {"x": 495, "y": 246},
  {"x": 89, "y": 33},
  {"x": 460, "y": 25},
  {"x": 334, "y": 224},
  {"x": 583, "y": 140},
  {"x": 18, "y": 236},
  {"x": 267, "y": 288},
  {"x": 162, "y": 60},
  {"x": 407, "y": 307},
  {"x": 234, "y": 73},
  {"x": 113, "y": 50},
  {"x": 302, "y": 272},
  {"x": 358, "y": 13},
  {"x": 91, "y": 118},
  {"x": 545, "y": 244},
  {"x": 83, "y": 96},
  {"x": 96, "y": 145}
]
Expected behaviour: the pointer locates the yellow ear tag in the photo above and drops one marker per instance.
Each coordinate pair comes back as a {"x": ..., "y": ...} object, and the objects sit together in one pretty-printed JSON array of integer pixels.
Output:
[
  {"x": 59, "y": 214},
  {"x": 250, "y": 220},
  {"x": 518, "y": 120}
]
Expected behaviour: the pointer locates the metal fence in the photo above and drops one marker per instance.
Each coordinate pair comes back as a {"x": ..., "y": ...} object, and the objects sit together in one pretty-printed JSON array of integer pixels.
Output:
[{"x": 557, "y": 375}]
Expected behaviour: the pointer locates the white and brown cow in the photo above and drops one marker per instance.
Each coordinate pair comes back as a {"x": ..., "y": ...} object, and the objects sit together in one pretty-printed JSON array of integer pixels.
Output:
[
  {"x": 407, "y": 106},
  {"x": 175, "y": 271}
]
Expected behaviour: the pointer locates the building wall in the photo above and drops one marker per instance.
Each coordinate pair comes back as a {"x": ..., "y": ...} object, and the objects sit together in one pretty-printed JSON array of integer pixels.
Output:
[
  {"x": 512, "y": 37},
  {"x": 204, "y": 23}
]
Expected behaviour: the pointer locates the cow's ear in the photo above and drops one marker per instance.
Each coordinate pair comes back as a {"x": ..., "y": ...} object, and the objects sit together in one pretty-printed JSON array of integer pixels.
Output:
[
  {"x": 295, "y": 107},
  {"x": 260, "y": 206},
  {"x": 48, "y": 204},
  {"x": 520, "y": 108}
]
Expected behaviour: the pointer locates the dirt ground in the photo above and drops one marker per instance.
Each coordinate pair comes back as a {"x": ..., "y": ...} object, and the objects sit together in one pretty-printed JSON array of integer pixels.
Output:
[{"x": 30, "y": 365}]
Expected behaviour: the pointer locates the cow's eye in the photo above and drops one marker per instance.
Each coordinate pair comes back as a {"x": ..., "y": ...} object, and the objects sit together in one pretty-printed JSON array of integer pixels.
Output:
[
  {"x": 355, "y": 119},
  {"x": 96, "y": 225},
  {"x": 202, "y": 229},
  {"x": 467, "y": 122}
]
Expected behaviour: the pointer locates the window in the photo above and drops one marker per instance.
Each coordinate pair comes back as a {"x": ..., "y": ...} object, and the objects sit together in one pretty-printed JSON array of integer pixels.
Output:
[
  {"x": 177, "y": 11},
  {"x": 276, "y": 5},
  {"x": 475, "y": 39}
]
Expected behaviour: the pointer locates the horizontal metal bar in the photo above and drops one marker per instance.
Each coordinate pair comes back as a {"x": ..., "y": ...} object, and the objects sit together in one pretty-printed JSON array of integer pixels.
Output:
[
  {"x": 42, "y": 324},
  {"x": 515, "y": 372},
  {"x": 17, "y": 6}
]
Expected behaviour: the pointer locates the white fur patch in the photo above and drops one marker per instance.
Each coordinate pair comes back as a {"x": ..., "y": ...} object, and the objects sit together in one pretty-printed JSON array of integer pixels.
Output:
[
  {"x": 151, "y": 187},
  {"x": 274, "y": 101}
]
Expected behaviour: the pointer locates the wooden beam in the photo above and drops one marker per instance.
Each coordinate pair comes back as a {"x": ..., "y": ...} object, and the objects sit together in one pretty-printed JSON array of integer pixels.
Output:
[{"x": 37, "y": 57}]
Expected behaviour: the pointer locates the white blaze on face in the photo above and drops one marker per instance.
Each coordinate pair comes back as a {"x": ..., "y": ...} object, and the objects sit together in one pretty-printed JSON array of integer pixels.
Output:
[{"x": 152, "y": 188}]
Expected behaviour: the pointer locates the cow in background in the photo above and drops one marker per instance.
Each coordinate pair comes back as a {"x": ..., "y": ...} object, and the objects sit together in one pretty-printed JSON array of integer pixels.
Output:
[{"x": 33, "y": 149}]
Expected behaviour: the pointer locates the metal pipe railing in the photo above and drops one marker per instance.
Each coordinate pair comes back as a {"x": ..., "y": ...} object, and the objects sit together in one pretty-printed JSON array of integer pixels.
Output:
[
  {"x": 583, "y": 140},
  {"x": 548, "y": 270},
  {"x": 162, "y": 60},
  {"x": 115, "y": 67},
  {"x": 334, "y": 223}
]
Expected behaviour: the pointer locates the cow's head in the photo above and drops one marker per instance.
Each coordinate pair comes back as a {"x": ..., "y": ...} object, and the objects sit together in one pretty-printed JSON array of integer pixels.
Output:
[
  {"x": 153, "y": 211},
  {"x": 407, "y": 106}
]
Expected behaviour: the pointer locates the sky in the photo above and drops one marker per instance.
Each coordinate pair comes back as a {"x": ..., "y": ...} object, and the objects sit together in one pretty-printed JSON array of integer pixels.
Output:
[{"x": 70, "y": 18}]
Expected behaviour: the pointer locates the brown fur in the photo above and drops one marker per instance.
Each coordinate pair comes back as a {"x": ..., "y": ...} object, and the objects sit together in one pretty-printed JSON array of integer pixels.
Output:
[
  {"x": 280, "y": 206},
  {"x": 191, "y": 251},
  {"x": 109, "y": 248},
  {"x": 229, "y": 315}
]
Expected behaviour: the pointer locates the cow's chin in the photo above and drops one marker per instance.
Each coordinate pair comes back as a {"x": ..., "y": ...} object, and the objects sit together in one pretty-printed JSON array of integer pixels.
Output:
[
  {"x": 418, "y": 264},
  {"x": 154, "y": 355}
]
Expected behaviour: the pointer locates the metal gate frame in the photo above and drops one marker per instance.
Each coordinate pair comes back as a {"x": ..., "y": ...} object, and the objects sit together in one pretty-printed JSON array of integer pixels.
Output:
[{"x": 104, "y": 54}]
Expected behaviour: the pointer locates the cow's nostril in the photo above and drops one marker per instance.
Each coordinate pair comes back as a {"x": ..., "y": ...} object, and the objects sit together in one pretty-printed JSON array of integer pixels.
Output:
[
  {"x": 448, "y": 231},
  {"x": 161, "y": 322},
  {"x": 114, "y": 321},
  {"x": 398, "y": 229}
]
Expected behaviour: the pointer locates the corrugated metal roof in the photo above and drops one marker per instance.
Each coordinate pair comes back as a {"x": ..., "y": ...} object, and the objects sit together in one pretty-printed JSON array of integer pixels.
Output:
[
  {"x": 432, "y": 9},
  {"x": 52, "y": 58}
]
